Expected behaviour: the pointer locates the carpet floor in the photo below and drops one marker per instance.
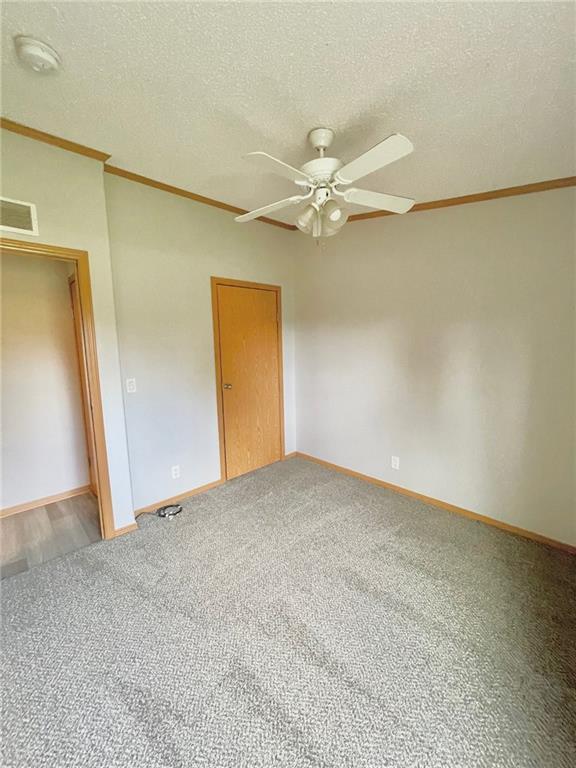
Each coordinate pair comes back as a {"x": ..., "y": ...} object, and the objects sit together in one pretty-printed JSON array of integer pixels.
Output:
[{"x": 294, "y": 617}]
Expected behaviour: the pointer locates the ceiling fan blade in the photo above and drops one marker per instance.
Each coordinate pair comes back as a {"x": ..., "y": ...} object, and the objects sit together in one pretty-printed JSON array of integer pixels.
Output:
[
  {"x": 272, "y": 207},
  {"x": 273, "y": 165},
  {"x": 384, "y": 153},
  {"x": 378, "y": 200}
]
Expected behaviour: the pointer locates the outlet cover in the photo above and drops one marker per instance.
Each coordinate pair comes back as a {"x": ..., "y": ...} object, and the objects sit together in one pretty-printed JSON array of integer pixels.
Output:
[
  {"x": 395, "y": 462},
  {"x": 176, "y": 472},
  {"x": 130, "y": 385}
]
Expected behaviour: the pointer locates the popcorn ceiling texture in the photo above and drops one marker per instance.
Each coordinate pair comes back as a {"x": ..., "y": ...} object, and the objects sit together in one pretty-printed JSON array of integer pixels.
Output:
[{"x": 180, "y": 91}]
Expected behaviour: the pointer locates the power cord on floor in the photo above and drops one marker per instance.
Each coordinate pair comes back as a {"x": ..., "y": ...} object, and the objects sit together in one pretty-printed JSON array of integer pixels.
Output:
[{"x": 169, "y": 511}]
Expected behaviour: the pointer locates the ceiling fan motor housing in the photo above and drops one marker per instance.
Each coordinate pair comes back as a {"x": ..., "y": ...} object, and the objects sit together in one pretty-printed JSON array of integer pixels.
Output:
[{"x": 322, "y": 168}]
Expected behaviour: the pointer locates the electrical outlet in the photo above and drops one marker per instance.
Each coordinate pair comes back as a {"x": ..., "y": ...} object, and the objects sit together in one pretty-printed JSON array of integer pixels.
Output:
[
  {"x": 395, "y": 462},
  {"x": 130, "y": 385},
  {"x": 175, "y": 471}
]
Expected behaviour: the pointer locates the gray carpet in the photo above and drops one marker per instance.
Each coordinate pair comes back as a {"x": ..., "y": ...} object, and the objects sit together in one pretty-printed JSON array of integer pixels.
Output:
[{"x": 294, "y": 617}]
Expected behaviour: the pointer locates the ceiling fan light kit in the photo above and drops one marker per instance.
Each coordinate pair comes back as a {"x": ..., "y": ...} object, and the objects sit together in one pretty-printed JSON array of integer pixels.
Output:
[
  {"x": 305, "y": 219},
  {"x": 323, "y": 181},
  {"x": 332, "y": 211}
]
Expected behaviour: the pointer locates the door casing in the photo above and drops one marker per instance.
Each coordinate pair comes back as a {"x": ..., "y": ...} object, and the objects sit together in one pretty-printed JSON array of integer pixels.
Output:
[
  {"x": 80, "y": 261},
  {"x": 215, "y": 282},
  {"x": 83, "y": 375}
]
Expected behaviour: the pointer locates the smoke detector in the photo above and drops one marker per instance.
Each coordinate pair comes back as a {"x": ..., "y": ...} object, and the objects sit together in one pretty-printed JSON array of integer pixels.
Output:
[{"x": 36, "y": 55}]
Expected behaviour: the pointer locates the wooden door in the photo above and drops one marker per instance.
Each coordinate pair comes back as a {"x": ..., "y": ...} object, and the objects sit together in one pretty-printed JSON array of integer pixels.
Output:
[
  {"x": 247, "y": 325},
  {"x": 84, "y": 387}
]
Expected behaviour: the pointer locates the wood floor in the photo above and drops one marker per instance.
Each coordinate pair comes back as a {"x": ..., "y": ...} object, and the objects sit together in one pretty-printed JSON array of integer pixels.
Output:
[{"x": 41, "y": 534}]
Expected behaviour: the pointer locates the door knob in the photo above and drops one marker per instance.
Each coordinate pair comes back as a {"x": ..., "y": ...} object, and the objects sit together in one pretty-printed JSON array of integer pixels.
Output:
[{"x": 227, "y": 386}]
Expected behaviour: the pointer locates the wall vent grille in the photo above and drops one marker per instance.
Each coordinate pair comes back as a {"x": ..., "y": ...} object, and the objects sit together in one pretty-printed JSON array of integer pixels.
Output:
[{"x": 17, "y": 216}]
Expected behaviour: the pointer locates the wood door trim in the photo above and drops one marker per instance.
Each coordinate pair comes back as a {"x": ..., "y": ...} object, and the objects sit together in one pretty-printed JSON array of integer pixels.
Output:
[
  {"x": 245, "y": 284},
  {"x": 80, "y": 259},
  {"x": 125, "y": 529},
  {"x": 83, "y": 382},
  {"x": 214, "y": 283}
]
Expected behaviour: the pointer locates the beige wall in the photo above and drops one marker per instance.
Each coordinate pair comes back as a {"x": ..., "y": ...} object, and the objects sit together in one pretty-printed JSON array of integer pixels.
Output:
[
  {"x": 43, "y": 444},
  {"x": 164, "y": 251},
  {"x": 69, "y": 192},
  {"x": 447, "y": 338}
]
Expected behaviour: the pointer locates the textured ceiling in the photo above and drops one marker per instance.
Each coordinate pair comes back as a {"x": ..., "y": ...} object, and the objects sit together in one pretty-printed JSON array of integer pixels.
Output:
[{"x": 180, "y": 91}]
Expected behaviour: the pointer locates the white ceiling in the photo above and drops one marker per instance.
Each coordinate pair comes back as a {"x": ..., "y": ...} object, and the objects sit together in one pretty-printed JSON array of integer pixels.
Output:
[{"x": 180, "y": 91}]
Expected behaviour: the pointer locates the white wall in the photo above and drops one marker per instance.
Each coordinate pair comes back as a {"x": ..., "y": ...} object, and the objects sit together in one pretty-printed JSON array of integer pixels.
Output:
[
  {"x": 43, "y": 444},
  {"x": 164, "y": 251},
  {"x": 69, "y": 192},
  {"x": 447, "y": 338}
]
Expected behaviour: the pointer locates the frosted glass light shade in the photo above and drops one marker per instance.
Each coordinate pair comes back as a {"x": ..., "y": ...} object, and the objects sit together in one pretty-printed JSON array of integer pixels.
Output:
[
  {"x": 330, "y": 227},
  {"x": 305, "y": 219},
  {"x": 332, "y": 211}
]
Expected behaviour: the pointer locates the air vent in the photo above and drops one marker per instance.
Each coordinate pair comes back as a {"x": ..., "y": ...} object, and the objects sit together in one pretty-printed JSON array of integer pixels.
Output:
[{"x": 17, "y": 216}]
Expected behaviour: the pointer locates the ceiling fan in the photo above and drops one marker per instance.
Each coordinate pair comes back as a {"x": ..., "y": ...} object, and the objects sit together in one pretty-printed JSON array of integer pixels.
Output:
[{"x": 325, "y": 183}]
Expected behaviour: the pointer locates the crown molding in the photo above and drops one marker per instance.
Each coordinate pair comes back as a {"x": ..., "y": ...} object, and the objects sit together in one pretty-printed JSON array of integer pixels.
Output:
[
  {"x": 55, "y": 141},
  {"x": 95, "y": 154},
  {"x": 80, "y": 149},
  {"x": 112, "y": 169},
  {"x": 478, "y": 197}
]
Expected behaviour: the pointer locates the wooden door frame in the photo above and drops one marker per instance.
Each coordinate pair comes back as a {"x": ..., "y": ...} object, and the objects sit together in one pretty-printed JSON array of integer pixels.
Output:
[
  {"x": 214, "y": 283},
  {"x": 83, "y": 376},
  {"x": 80, "y": 261}
]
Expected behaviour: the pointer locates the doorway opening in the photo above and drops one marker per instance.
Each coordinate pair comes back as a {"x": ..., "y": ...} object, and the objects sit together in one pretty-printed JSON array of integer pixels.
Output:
[
  {"x": 54, "y": 448},
  {"x": 248, "y": 349}
]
